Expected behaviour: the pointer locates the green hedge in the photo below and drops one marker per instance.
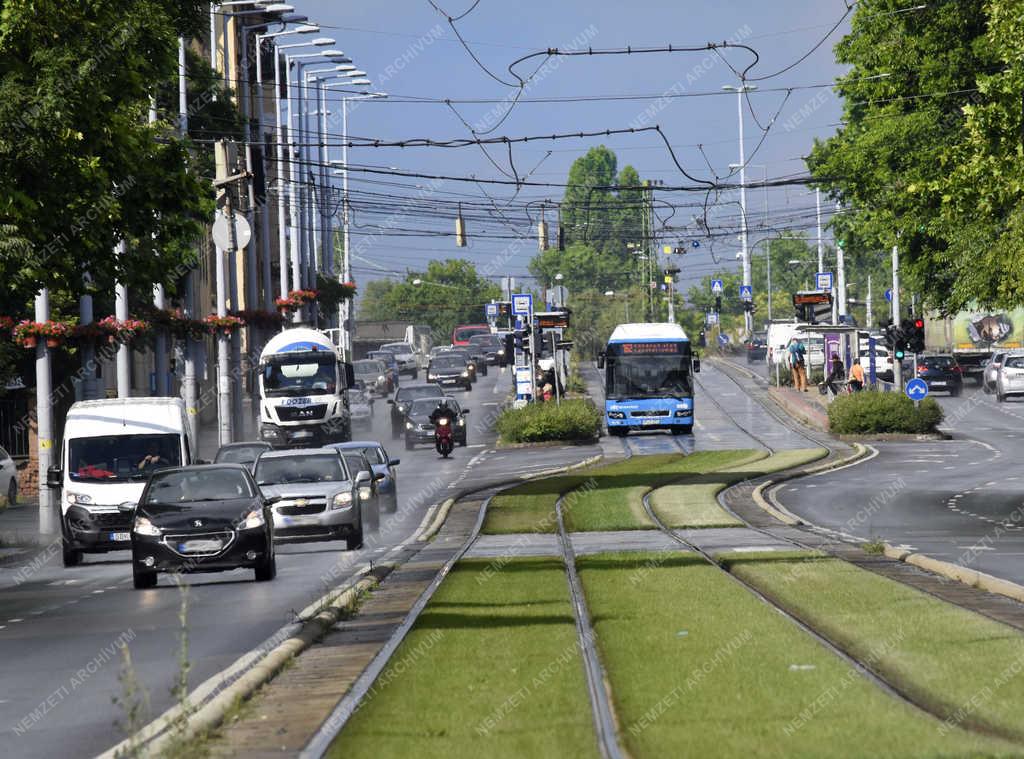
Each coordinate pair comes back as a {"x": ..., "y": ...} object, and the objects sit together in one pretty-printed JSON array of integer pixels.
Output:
[
  {"x": 575, "y": 420},
  {"x": 870, "y": 411}
]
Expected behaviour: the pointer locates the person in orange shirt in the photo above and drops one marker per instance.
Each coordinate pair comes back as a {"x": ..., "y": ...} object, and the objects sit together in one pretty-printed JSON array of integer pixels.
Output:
[{"x": 856, "y": 375}]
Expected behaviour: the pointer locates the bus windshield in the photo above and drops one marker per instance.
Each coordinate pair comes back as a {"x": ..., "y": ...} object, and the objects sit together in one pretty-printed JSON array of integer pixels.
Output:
[
  {"x": 303, "y": 377},
  {"x": 648, "y": 376}
]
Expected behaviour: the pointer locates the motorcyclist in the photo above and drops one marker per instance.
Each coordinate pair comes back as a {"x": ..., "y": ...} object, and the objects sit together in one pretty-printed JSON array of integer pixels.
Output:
[{"x": 443, "y": 411}]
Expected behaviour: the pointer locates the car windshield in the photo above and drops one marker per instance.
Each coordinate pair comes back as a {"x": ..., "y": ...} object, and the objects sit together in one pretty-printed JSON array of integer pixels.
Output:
[
  {"x": 356, "y": 461},
  {"x": 305, "y": 376},
  {"x": 115, "y": 458},
  {"x": 462, "y": 334},
  {"x": 640, "y": 376},
  {"x": 283, "y": 470},
  {"x": 939, "y": 362},
  {"x": 384, "y": 356},
  {"x": 426, "y": 406},
  {"x": 397, "y": 347},
  {"x": 1014, "y": 362},
  {"x": 448, "y": 362},
  {"x": 241, "y": 454},
  {"x": 484, "y": 340},
  {"x": 406, "y": 394},
  {"x": 357, "y": 396},
  {"x": 186, "y": 485},
  {"x": 369, "y": 367},
  {"x": 374, "y": 454}
]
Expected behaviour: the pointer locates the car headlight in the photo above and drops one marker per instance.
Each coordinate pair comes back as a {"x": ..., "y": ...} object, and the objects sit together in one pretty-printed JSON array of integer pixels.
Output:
[
  {"x": 143, "y": 526},
  {"x": 431, "y": 376},
  {"x": 380, "y": 378},
  {"x": 365, "y": 493},
  {"x": 465, "y": 374},
  {"x": 462, "y": 422},
  {"x": 341, "y": 500},
  {"x": 252, "y": 520},
  {"x": 616, "y": 415},
  {"x": 408, "y": 425},
  {"x": 471, "y": 366},
  {"x": 82, "y": 498}
]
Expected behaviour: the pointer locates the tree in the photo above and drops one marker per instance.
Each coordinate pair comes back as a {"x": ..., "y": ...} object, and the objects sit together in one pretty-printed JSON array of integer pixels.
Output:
[
  {"x": 912, "y": 73},
  {"x": 80, "y": 167},
  {"x": 450, "y": 292}
]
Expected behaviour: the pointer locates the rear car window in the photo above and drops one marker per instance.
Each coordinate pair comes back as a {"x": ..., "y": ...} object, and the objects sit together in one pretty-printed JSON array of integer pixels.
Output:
[{"x": 939, "y": 362}]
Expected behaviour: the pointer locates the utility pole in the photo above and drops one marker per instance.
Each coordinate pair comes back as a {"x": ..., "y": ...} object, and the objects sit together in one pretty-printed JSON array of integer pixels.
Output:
[
  {"x": 869, "y": 317},
  {"x": 841, "y": 278},
  {"x": 897, "y": 365},
  {"x": 821, "y": 243},
  {"x": 189, "y": 388},
  {"x": 44, "y": 418},
  {"x": 123, "y": 361},
  {"x": 88, "y": 348},
  {"x": 346, "y": 256}
]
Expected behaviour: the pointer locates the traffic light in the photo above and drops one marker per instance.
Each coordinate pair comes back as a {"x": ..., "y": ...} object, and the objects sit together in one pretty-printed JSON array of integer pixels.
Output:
[
  {"x": 718, "y": 304},
  {"x": 916, "y": 340},
  {"x": 510, "y": 350}
]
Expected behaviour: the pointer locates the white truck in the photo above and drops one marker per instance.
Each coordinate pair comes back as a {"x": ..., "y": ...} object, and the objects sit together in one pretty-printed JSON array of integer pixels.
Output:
[
  {"x": 110, "y": 448},
  {"x": 302, "y": 384}
]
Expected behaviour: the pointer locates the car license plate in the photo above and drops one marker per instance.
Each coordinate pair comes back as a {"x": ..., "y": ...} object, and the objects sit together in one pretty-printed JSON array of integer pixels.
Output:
[
  {"x": 120, "y": 537},
  {"x": 302, "y": 434},
  {"x": 200, "y": 546},
  {"x": 938, "y": 383},
  {"x": 650, "y": 422}
]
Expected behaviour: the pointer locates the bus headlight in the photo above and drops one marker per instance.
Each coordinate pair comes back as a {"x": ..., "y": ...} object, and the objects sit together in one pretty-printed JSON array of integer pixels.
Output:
[
  {"x": 684, "y": 413},
  {"x": 616, "y": 415}
]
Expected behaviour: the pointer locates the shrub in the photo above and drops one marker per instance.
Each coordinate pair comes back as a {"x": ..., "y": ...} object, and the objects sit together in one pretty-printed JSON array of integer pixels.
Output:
[
  {"x": 573, "y": 420},
  {"x": 870, "y": 411}
]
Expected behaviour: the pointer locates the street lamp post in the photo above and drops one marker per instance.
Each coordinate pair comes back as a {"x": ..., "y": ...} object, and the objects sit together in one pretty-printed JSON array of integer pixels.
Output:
[{"x": 740, "y": 90}]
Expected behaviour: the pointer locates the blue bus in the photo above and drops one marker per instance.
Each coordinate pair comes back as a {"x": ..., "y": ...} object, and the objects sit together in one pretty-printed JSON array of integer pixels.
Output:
[{"x": 649, "y": 372}]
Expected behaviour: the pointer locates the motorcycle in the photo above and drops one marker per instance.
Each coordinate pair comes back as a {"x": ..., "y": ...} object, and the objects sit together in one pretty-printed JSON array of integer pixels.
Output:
[{"x": 444, "y": 441}]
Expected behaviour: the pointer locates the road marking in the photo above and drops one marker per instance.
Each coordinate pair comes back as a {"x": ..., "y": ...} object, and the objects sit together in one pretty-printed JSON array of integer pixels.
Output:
[
  {"x": 15, "y": 619},
  {"x": 478, "y": 445}
]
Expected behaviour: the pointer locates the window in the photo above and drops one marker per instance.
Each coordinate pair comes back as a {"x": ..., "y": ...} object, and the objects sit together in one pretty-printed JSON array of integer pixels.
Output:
[
  {"x": 190, "y": 485},
  {"x": 284, "y": 470},
  {"x": 314, "y": 375},
  {"x": 1014, "y": 362},
  {"x": 121, "y": 457}
]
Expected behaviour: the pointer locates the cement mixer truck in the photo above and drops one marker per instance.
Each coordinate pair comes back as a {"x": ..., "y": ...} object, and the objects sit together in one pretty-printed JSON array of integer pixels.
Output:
[{"x": 302, "y": 384}]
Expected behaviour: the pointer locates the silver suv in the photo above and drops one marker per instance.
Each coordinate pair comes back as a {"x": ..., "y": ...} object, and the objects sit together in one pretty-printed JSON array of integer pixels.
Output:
[
  {"x": 318, "y": 498},
  {"x": 405, "y": 355}
]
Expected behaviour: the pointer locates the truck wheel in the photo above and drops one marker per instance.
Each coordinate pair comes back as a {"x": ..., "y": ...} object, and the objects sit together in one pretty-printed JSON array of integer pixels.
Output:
[
  {"x": 617, "y": 431},
  {"x": 71, "y": 557}
]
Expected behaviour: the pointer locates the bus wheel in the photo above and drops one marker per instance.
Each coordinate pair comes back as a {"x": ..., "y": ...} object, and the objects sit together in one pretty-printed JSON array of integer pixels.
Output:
[
  {"x": 679, "y": 430},
  {"x": 617, "y": 431}
]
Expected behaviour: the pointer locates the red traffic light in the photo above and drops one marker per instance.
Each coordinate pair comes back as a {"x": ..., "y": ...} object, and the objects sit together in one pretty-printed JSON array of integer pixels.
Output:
[{"x": 919, "y": 323}]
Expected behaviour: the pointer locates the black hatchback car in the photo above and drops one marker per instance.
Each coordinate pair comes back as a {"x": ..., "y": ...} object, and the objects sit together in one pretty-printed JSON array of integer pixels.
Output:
[
  {"x": 941, "y": 373},
  {"x": 757, "y": 347},
  {"x": 207, "y": 518},
  {"x": 403, "y": 399},
  {"x": 449, "y": 370}
]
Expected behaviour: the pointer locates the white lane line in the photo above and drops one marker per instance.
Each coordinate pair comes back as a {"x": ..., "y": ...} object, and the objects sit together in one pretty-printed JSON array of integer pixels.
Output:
[{"x": 15, "y": 619}]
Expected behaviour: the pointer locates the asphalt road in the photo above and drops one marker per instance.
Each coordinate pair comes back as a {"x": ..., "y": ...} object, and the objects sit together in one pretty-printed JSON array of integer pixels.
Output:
[
  {"x": 59, "y": 628},
  {"x": 961, "y": 500}
]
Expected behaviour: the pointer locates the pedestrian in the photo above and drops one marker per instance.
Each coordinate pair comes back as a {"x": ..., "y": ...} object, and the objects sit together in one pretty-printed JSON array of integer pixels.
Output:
[
  {"x": 798, "y": 362},
  {"x": 856, "y": 376},
  {"x": 837, "y": 376}
]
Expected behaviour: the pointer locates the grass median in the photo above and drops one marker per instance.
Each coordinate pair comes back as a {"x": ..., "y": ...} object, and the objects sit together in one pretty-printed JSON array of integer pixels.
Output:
[
  {"x": 962, "y": 665},
  {"x": 700, "y": 667},
  {"x": 491, "y": 669}
]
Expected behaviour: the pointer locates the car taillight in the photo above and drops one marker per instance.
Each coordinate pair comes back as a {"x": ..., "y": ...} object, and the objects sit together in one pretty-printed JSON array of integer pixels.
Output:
[
  {"x": 956, "y": 368},
  {"x": 922, "y": 367}
]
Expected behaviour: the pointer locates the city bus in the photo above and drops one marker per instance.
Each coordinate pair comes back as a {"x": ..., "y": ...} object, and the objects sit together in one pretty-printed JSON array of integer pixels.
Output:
[{"x": 648, "y": 371}]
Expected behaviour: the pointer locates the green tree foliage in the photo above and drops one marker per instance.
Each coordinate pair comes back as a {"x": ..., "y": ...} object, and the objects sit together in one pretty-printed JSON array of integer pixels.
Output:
[
  {"x": 80, "y": 168},
  {"x": 911, "y": 81},
  {"x": 451, "y": 293}
]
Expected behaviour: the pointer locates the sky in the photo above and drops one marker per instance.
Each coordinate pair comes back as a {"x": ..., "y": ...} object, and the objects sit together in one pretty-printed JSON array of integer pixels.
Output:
[{"x": 410, "y": 51}]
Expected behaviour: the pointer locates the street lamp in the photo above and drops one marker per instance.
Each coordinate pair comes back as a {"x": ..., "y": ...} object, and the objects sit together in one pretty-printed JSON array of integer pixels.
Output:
[{"x": 740, "y": 91}]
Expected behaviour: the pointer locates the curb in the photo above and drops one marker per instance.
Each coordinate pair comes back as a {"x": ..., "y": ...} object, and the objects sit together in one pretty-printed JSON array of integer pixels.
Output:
[
  {"x": 768, "y": 504},
  {"x": 951, "y": 571},
  {"x": 211, "y": 714}
]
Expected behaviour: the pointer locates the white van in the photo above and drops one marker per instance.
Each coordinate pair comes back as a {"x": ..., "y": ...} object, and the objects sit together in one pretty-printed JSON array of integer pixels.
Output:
[
  {"x": 110, "y": 448},
  {"x": 779, "y": 335}
]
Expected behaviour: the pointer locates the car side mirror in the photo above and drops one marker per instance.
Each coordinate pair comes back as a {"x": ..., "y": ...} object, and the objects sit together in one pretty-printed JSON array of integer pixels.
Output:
[
  {"x": 54, "y": 477},
  {"x": 696, "y": 365},
  {"x": 379, "y": 477},
  {"x": 363, "y": 477},
  {"x": 126, "y": 507},
  {"x": 465, "y": 411},
  {"x": 270, "y": 500},
  {"x": 600, "y": 360},
  {"x": 391, "y": 401},
  {"x": 394, "y": 462}
]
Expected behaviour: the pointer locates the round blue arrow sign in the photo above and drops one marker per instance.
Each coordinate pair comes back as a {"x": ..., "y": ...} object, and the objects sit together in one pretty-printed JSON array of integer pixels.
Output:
[{"x": 917, "y": 389}]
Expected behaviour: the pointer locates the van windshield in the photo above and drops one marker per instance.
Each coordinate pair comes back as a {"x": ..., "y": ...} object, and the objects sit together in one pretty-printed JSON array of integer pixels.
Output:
[{"x": 117, "y": 458}]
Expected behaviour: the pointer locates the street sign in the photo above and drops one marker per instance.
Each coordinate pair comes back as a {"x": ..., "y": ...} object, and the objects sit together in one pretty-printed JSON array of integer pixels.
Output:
[
  {"x": 823, "y": 280},
  {"x": 524, "y": 381},
  {"x": 491, "y": 310},
  {"x": 522, "y": 304},
  {"x": 888, "y": 294},
  {"x": 221, "y": 232},
  {"x": 917, "y": 389},
  {"x": 552, "y": 319},
  {"x": 716, "y": 287},
  {"x": 712, "y": 317},
  {"x": 746, "y": 292},
  {"x": 558, "y": 295},
  {"x": 723, "y": 339}
]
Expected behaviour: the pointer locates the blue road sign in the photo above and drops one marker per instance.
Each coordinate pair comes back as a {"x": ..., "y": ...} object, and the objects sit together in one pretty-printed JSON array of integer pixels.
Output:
[
  {"x": 491, "y": 309},
  {"x": 746, "y": 292},
  {"x": 716, "y": 287},
  {"x": 723, "y": 339},
  {"x": 888, "y": 294},
  {"x": 823, "y": 280},
  {"x": 695, "y": 243},
  {"x": 917, "y": 389},
  {"x": 522, "y": 303}
]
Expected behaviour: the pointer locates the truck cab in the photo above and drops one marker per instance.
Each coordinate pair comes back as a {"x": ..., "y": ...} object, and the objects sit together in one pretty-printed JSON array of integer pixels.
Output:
[{"x": 303, "y": 384}]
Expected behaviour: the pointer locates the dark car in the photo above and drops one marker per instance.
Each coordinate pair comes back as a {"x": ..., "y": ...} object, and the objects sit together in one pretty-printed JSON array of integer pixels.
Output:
[
  {"x": 491, "y": 346},
  {"x": 419, "y": 428},
  {"x": 382, "y": 464},
  {"x": 207, "y": 518},
  {"x": 400, "y": 404},
  {"x": 757, "y": 347},
  {"x": 941, "y": 373},
  {"x": 449, "y": 370},
  {"x": 241, "y": 453}
]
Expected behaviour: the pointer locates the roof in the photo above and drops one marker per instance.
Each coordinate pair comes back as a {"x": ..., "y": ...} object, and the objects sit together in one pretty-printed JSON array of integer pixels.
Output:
[
  {"x": 125, "y": 416},
  {"x": 288, "y": 452},
  {"x": 647, "y": 331},
  {"x": 300, "y": 339},
  {"x": 355, "y": 444}
]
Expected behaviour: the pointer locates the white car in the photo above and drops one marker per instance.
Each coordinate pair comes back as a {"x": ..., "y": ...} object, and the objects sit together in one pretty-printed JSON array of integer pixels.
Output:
[
  {"x": 991, "y": 372},
  {"x": 1010, "y": 379},
  {"x": 8, "y": 478},
  {"x": 405, "y": 355},
  {"x": 883, "y": 363}
]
